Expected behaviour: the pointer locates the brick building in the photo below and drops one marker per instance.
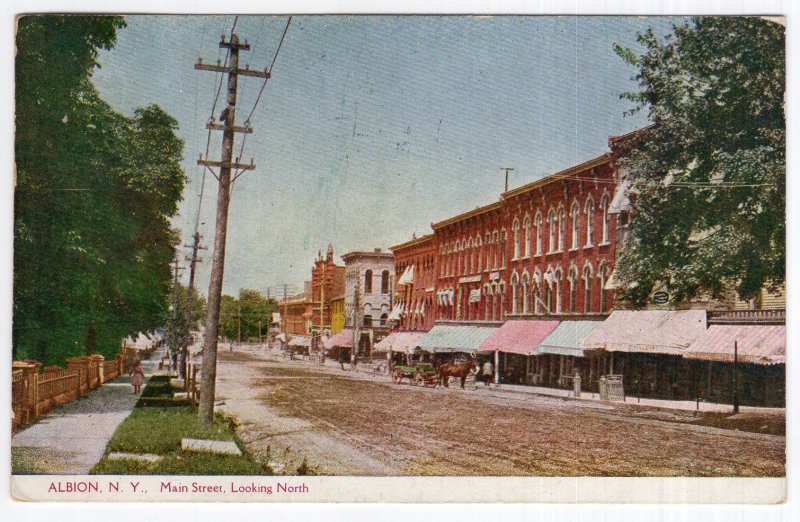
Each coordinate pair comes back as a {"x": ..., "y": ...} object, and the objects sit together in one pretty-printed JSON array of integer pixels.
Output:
[
  {"x": 327, "y": 283},
  {"x": 415, "y": 287}
]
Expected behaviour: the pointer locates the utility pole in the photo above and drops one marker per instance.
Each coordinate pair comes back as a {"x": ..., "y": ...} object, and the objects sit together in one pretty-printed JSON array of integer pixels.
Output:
[
  {"x": 174, "y": 340},
  {"x": 507, "y": 169},
  {"x": 226, "y": 163},
  {"x": 735, "y": 371},
  {"x": 190, "y": 301}
]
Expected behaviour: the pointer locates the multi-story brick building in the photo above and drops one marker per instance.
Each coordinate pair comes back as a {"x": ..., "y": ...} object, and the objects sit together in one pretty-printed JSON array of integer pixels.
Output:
[
  {"x": 415, "y": 288},
  {"x": 327, "y": 283}
]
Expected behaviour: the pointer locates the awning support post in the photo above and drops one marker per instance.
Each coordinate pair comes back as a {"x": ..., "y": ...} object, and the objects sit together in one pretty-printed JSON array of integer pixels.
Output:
[{"x": 497, "y": 367}]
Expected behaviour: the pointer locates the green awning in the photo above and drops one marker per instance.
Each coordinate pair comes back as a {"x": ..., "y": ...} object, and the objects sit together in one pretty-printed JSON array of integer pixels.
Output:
[
  {"x": 450, "y": 338},
  {"x": 566, "y": 338}
]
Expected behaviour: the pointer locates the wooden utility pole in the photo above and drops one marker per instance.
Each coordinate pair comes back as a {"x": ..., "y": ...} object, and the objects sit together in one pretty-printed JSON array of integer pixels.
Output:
[
  {"x": 189, "y": 302},
  {"x": 228, "y": 117},
  {"x": 174, "y": 337}
]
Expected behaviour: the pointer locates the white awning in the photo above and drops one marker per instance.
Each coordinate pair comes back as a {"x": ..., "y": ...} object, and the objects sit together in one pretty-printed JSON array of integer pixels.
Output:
[
  {"x": 422, "y": 310},
  {"x": 276, "y": 317},
  {"x": 475, "y": 295},
  {"x": 394, "y": 315},
  {"x": 408, "y": 276}
]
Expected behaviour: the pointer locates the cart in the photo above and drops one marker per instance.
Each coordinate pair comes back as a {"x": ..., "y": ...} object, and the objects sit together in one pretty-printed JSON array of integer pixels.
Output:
[{"x": 421, "y": 373}]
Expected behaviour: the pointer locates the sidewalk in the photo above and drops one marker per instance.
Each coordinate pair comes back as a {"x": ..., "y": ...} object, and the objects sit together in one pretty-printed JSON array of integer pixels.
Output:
[
  {"x": 72, "y": 438},
  {"x": 524, "y": 392}
]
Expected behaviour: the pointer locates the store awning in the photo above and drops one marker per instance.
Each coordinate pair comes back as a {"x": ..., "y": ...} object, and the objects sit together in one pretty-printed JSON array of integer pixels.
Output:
[
  {"x": 520, "y": 337},
  {"x": 621, "y": 202},
  {"x": 566, "y": 338},
  {"x": 451, "y": 338},
  {"x": 394, "y": 315},
  {"x": 648, "y": 331},
  {"x": 408, "y": 276},
  {"x": 404, "y": 342},
  {"x": 343, "y": 339},
  {"x": 756, "y": 344},
  {"x": 301, "y": 341}
]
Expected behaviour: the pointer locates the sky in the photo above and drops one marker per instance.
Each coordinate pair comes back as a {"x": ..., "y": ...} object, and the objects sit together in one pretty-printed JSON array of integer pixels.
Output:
[{"x": 373, "y": 127}]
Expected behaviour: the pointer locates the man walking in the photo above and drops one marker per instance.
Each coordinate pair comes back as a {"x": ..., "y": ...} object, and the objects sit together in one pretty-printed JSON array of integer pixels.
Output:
[{"x": 487, "y": 372}]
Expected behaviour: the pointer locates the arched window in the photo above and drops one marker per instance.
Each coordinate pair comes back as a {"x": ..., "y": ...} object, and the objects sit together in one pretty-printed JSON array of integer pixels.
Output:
[
  {"x": 384, "y": 319},
  {"x": 551, "y": 227},
  {"x": 587, "y": 288},
  {"x": 575, "y": 212},
  {"x": 538, "y": 222},
  {"x": 602, "y": 275},
  {"x": 558, "y": 277},
  {"x": 572, "y": 277},
  {"x": 471, "y": 255},
  {"x": 479, "y": 248},
  {"x": 604, "y": 210},
  {"x": 560, "y": 228},
  {"x": 385, "y": 282},
  {"x": 525, "y": 293},
  {"x": 589, "y": 210},
  {"x": 527, "y": 228},
  {"x": 367, "y": 320},
  {"x": 515, "y": 231},
  {"x": 503, "y": 248},
  {"x": 368, "y": 282},
  {"x": 495, "y": 253},
  {"x": 515, "y": 293}
]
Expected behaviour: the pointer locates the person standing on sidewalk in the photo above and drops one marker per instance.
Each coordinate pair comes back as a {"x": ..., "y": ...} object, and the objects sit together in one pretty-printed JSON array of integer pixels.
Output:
[
  {"x": 137, "y": 377},
  {"x": 486, "y": 372}
]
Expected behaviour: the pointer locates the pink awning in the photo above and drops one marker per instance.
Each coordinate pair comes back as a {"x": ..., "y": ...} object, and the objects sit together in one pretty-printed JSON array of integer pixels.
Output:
[
  {"x": 757, "y": 344},
  {"x": 343, "y": 339},
  {"x": 520, "y": 337}
]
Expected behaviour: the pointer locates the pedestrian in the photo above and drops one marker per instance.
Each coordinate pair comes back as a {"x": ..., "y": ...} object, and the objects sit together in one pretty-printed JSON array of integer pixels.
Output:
[
  {"x": 487, "y": 372},
  {"x": 137, "y": 377}
]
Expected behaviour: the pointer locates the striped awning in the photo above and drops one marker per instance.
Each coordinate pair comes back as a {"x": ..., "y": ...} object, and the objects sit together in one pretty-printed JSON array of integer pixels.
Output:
[
  {"x": 521, "y": 337},
  {"x": 566, "y": 338},
  {"x": 408, "y": 276},
  {"x": 756, "y": 344},
  {"x": 667, "y": 332},
  {"x": 452, "y": 338},
  {"x": 404, "y": 342}
]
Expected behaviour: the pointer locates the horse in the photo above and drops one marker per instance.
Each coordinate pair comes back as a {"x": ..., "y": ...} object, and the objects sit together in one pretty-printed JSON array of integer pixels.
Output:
[{"x": 456, "y": 370}]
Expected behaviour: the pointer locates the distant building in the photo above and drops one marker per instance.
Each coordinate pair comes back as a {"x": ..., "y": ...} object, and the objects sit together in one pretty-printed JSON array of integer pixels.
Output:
[
  {"x": 337, "y": 314},
  {"x": 368, "y": 295},
  {"x": 327, "y": 283}
]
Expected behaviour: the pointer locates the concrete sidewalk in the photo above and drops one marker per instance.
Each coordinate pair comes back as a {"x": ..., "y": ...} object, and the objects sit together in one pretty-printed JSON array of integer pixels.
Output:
[{"x": 72, "y": 438}]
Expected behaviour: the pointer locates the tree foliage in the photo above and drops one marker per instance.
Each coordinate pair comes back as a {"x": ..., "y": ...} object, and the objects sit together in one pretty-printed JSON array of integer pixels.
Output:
[
  {"x": 95, "y": 191},
  {"x": 708, "y": 176},
  {"x": 249, "y": 315}
]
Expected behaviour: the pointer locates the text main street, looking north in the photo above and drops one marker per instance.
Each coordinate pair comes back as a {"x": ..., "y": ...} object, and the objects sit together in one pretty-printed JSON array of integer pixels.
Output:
[{"x": 344, "y": 423}]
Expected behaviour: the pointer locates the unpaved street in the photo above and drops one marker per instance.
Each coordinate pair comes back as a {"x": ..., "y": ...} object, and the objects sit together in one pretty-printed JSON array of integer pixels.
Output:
[{"x": 348, "y": 424}]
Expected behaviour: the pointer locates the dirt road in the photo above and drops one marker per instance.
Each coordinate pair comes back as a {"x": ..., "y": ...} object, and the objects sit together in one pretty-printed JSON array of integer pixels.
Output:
[{"x": 344, "y": 424}]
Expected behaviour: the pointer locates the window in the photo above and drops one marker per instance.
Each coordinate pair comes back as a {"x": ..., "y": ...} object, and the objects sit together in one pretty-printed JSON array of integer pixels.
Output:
[
  {"x": 551, "y": 227},
  {"x": 384, "y": 319},
  {"x": 587, "y": 288},
  {"x": 575, "y": 212},
  {"x": 367, "y": 320},
  {"x": 538, "y": 233},
  {"x": 561, "y": 229},
  {"x": 368, "y": 282},
  {"x": 604, "y": 209},
  {"x": 385, "y": 282},
  {"x": 515, "y": 308},
  {"x": 515, "y": 229},
  {"x": 557, "y": 282},
  {"x": 572, "y": 277},
  {"x": 527, "y": 228},
  {"x": 589, "y": 210}
]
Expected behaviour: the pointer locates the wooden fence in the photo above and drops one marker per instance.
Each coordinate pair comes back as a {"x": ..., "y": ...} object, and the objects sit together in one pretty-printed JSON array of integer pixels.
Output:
[{"x": 35, "y": 392}]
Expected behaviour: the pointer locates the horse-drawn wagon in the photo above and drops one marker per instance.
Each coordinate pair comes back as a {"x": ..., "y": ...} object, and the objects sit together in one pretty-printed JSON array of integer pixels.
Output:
[{"x": 421, "y": 373}]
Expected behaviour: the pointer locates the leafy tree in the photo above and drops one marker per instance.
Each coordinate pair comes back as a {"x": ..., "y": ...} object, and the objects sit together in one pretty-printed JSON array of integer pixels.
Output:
[
  {"x": 708, "y": 177},
  {"x": 249, "y": 315},
  {"x": 95, "y": 190}
]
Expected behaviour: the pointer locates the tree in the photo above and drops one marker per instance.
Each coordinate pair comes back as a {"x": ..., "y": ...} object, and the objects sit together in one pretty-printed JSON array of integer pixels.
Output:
[
  {"x": 708, "y": 176},
  {"x": 95, "y": 191},
  {"x": 247, "y": 317}
]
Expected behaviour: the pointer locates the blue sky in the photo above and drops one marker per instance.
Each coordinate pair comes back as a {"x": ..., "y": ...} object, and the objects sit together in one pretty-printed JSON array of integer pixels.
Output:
[{"x": 372, "y": 127}]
